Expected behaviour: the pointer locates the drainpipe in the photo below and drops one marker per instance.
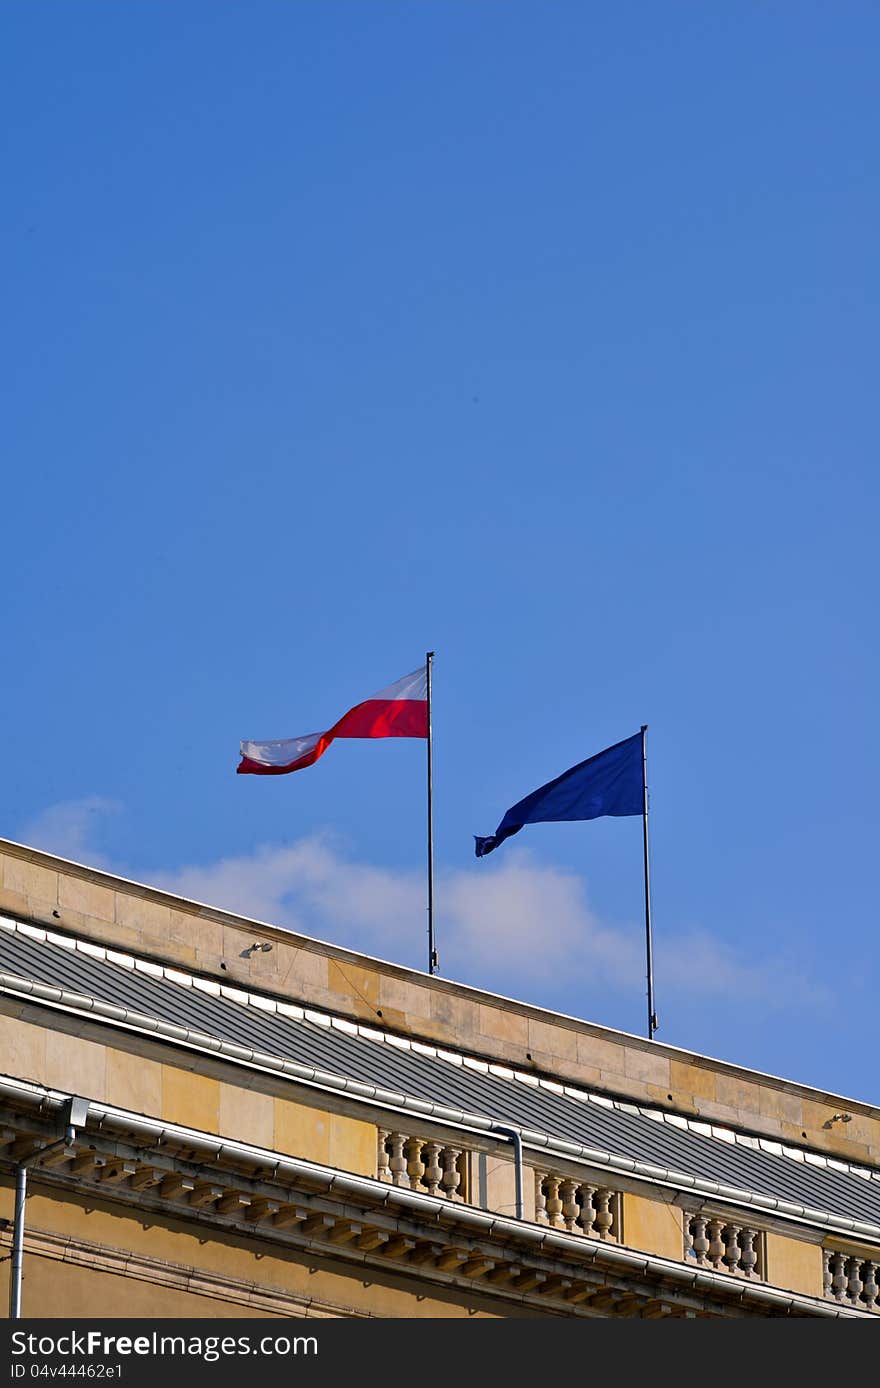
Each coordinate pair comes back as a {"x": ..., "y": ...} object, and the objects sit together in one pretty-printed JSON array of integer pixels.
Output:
[
  {"x": 77, "y": 1112},
  {"x": 516, "y": 1138}
]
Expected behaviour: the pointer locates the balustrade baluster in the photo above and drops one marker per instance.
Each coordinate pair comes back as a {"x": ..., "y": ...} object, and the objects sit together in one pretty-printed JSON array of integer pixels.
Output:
[
  {"x": 433, "y": 1169},
  {"x": 748, "y": 1255},
  {"x": 397, "y": 1163},
  {"x": 604, "y": 1216},
  {"x": 699, "y": 1242},
  {"x": 451, "y": 1175},
  {"x": 570, "y": 1207},
  {"x": 415, "y": 1167},
  {"x": 540, "y": 1198},
  {"x": 554, "y": 1203},
  {"x": 870, "y": 1290},
  {"x": 731, "y": 1247},
  {"x": 382, "y": 1168},
  {"x": 688, "y": 1227},
  {"x": 838, "y": 1276},
  {"x": 716, "y": 1243},
  {"x": 854, "y": 1280},
  {"x": 588, "y": 1209}
]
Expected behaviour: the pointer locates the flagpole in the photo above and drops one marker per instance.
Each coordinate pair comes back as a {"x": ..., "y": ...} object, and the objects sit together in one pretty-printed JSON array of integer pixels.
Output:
[
  {"x": 652, "y": 1016},
  {"x": 432, "y": 951}
]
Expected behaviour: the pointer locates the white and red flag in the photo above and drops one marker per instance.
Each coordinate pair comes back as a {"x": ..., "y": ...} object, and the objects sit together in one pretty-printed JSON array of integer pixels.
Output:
[{"x": 401, "y": 710}]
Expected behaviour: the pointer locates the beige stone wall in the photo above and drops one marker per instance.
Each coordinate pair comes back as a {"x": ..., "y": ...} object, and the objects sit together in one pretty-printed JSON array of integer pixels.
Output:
[
  {"x": 57, "y": 1290},
  {"x": 158, "y": 1090},
  {"x": 653, "y": 1226},
  {"x": 793, "y": 1265},
  {"x": 491, "y": 1184},
  {"x": 35, "y": 886},
  {"x": 118, "y": 1263}
]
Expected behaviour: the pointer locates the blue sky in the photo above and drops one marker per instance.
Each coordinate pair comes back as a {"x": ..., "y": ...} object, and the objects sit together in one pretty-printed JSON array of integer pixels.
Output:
[{"x": 544, "y": 336}]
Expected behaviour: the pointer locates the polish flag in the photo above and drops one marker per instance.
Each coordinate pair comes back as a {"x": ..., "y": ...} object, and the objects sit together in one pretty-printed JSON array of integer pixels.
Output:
[{"x": 401, "y": 710}]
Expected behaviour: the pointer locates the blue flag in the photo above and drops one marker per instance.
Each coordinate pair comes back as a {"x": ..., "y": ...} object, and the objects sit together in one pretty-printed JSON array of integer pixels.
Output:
[{"x": 610, "y": 783}]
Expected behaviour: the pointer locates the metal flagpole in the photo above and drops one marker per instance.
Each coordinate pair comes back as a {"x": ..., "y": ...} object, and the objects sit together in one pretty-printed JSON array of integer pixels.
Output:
[
  {"x": 432, "y": 952},
  {"x": 652, "y": 1015}
]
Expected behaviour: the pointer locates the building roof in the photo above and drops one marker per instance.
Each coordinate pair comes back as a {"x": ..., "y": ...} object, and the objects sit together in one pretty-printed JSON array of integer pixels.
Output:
[{"x": 169, "y": 1003}]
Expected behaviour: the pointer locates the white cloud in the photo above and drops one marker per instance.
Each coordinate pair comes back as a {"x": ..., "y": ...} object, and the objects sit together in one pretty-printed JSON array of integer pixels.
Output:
[
  {"x": 533, "y": 922},
  {"x": 696, "y": 962},
  {"x": 68, "y": 828},
  {"x": 516, "y": 926},
  {"x": 520, "y": 918}
]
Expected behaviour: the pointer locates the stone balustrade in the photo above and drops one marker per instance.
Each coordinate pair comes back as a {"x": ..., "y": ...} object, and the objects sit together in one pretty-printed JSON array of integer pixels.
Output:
[
  {"x": 440, "y": 1168},
  {"x": 576, "y": 1206},
  {"x": 851, "y": 1278},
  {"x": 424, "y": 1164},
  {"x": 723, "y": 1245}
]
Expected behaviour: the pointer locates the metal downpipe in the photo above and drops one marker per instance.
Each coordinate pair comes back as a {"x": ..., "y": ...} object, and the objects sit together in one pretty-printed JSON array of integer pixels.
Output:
[
  {"x": 17, "y": 1243},
  {"x": 516, "y": 1138},
  {"x": 77, "y": 1112}
]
